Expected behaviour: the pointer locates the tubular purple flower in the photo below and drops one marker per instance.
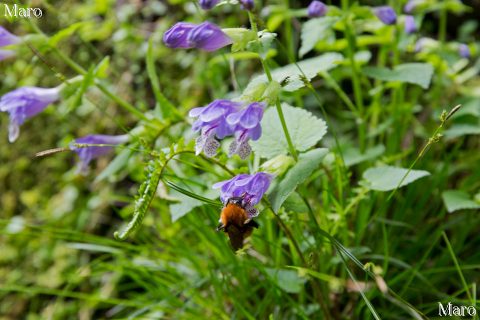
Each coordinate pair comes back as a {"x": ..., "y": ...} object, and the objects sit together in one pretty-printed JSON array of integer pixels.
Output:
[
  {"x": 176, "y": 36},
  {"x": 410, "y": 26},
  {"x": 212, "y": 124},
  {"x": 5, "y": 54},
  {"x": 208, "y": 4},
  {"x": 88, "y": 153},
  {"x": 247, "y": 4},
  {"x": 246, "y": 126},
  {"x": 464, "y": 50},
  {"x": 24, "y": 103},
  {"x": 250, "y": 187},
  {"x": 316, "y": 9},
  {"x": 386, "y": 14},
  {"x": 208, "y": 36},
  {"x": 6, "y": 38}
]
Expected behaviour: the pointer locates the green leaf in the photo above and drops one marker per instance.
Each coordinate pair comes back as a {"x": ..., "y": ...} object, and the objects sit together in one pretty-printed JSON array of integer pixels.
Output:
[
  {"x": 146, "y": 193},
  {"x": 458, "y": 200},
  {"x": 287, "y": 280},
  {"x": 116, "y": 165},
  {"x": 353, "y": 156},
  {"x": 304, "y": 128},
  {"x": 295, "y": 203},
  {"x": 185, "y": 206},
  {"x": 164, "y": 107},
  {"x": 315, "y": 30},
  {"x": 387, "y": 178},
  {"x": 462, "y": 129},
  {"x": 306, "y": 164},
  {"x": 102, "y": 68},
  {"x": 294, "y": 77},
  {"x": 65, "y": 33},
  {"x": 415, "y": 73}
]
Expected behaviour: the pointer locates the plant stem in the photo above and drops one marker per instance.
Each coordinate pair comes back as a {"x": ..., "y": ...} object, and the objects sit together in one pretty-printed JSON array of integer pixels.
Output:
[
  {"x": 442, "y": 30},
  {"x": 266, "y": 69}
]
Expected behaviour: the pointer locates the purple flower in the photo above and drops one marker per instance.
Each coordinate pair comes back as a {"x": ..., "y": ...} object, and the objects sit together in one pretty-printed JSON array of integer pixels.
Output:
[
  {"x": 464, "y": 50},
  {"x": 212, "y": 124},
  {"x": 208, "y": 36},
  {"x": 247, "y": 4},
  {"x": 24, "y": 103},
  {"x": 176, "y": 36},
  {"x": 386, "y": 14},
  {"x": 410, "y": 26},
  {"x": 88, "y": 153},
  {"x": 246, "y": 126},
  {"x": 208, "y": 4},
  {"x": 409, "y": 6},
  {"x": 5, "y": 54},
  {"x": 249, "y": 187},
  {"x": 6, "y": 38},
  {"x": 316, "y": 9}
]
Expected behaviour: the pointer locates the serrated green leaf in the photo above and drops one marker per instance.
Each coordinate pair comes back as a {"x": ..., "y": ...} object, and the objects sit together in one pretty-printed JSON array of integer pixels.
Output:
[
  {"x": 415, "y": 73},
  {"x": 304, "y": 128},
  {"x": 315, "y": 30},
  {"x": 146, "y": 193},
  {"x": 387, "y": 178},
  {"x": 306, "y": 164},
  {"x": 458, "y": 200},
  {"x": 311, "y": 67}
]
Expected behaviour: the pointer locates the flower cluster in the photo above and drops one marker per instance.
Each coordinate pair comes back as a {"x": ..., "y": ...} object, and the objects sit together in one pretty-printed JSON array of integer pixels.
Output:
[
  {"x": 250, "y": 188},
  {"x": 6, "y": 39},
  {"x": 223, "y": 118},
  {"x": 205, "y": 36},
  {"x": 94, "y": 146}
]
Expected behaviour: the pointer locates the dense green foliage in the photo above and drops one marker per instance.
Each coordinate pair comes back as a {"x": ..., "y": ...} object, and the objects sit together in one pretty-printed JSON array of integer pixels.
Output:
[{"x": 374, "y": 208}]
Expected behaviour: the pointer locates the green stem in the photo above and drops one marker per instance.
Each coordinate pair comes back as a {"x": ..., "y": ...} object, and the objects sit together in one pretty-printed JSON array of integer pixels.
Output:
[
  {"x": 266, "y": 69},
  {"x": 442, "y": 30},
  {"x": 357, "y": 87}
]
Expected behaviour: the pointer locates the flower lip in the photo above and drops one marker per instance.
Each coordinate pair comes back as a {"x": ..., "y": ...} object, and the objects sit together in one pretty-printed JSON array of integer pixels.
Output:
[
  {"x": 386, "y": 14},
  {"x": 6, "y": 38},
  {"x": 208, "y": 36},
  {"x": 316, "y": 9},
  {"x": 176, "y": 36}
]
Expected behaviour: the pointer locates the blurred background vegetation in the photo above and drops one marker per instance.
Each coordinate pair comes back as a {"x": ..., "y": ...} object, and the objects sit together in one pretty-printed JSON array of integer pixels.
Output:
[{"x": 58, "y": 257}]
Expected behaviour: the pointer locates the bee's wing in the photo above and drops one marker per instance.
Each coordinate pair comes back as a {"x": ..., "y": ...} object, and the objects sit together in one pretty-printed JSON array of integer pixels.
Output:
[{"x": 236, "y": 237}]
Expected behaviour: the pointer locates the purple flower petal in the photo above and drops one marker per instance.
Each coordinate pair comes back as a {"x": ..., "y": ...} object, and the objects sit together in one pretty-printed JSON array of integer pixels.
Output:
[
  {"x": 464, "y": 50},
  {"x": 88, "y": 153},
  {"x": 386, "y": 14},
  {"x": 208, "y": 4},
  {"x": 251, "y": 187},
  {"x": 316, "y": 9},
  {"x": 208, "y": 36},
  {"x": 409, "y": 6},
  {"x": 5, "y": 54},
  {"x": 177, "y": 35},
  {"x": 247, "y": 4},
  {"x": 6, "y": 38},
  {"x": 24, "y": 103},
  {"x": 410, "y": 26}
]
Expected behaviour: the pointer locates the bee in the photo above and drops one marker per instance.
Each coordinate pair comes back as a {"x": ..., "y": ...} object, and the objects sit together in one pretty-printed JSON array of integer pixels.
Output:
[{"x": 235, "y": 221}]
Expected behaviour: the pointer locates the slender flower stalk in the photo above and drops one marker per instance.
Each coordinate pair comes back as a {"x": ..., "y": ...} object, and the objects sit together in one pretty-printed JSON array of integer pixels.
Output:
[
  {"x": 24, "y": 103},
  {"x": 93, "y": 146}
]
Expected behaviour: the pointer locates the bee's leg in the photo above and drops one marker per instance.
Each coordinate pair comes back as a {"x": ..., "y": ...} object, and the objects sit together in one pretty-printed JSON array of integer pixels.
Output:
[{"x": 220, "y": 227}]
